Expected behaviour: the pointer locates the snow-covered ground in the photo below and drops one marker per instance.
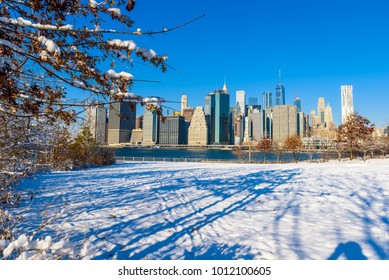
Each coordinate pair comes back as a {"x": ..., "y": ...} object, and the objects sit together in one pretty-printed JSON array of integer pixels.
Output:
[{"x": 216, "y": 211}]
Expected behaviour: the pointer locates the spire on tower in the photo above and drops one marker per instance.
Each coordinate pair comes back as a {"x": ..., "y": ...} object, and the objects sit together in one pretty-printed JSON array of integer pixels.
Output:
[
  {"x": 279, "y": 76},
  {"x": 225, "y": 85}
]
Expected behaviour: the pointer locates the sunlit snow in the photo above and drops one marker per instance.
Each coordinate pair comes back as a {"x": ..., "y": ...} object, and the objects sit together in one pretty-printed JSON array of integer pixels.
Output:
[{"x": 147, "y": 210}]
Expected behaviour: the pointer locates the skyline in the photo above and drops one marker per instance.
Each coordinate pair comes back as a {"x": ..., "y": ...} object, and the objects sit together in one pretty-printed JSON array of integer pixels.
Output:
[{"x": 318, "y": 46}]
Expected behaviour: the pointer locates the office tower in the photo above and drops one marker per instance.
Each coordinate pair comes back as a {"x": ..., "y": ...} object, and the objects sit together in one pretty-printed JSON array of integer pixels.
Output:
[
  {"x": 172, "y": 131},
  {"x": 150, "y": 127},
  {"x": 96, "y": 121},
  {"x": 297, "y": 103},
  {"x": 328, "y": 117},
  {"x": 347, "y": 101},
  {"x": 267, "y": 122},
  {"x": 320, "y": 110},
  {"x": 219, "y": 123},
  {"x": 256, "y": 124},
  {"x": 253, "y": 101},
  {"x": 241, "y": 101},
  {"x": 139, "y": 122},
  {"x": 266, "y": 100},
  {"x": 284, "y": 122},
  {"x": 198, "y": 128},
  {"x": 301, "y": 124},
  {"x": 280, "y": 92},
  {"x": 121, "y": 122},
  {"x": 238, "y": 128},
  {"x": 312, "y": 115},
  {"x": 184, "y": 103}
]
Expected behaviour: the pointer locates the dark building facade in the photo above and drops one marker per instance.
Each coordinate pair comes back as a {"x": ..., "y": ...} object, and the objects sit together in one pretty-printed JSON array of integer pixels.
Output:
[
  {"x": 173, "y": 131},
  {"x": 121, "y": 122},
  {"x": 220, "y": 117}
]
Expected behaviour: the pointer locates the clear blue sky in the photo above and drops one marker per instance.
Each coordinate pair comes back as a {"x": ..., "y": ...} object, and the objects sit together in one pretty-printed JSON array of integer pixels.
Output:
[{"x": 318, "y": 44}]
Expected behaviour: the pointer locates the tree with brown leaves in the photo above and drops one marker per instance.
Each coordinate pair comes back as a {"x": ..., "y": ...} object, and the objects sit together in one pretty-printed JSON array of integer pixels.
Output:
[
  {"x": 50, "y": 47},
  {"x": 264, "y": 146},
  {"x": 294, "y": 144},
  {"x": 354, "y": 132}
]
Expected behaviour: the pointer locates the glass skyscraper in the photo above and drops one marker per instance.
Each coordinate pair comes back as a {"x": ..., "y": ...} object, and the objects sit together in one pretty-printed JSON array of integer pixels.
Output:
[
  {"x": 266, "y": 100},
  {"x": 220, "y": 117},
  {"x": 280, "y": 94}
]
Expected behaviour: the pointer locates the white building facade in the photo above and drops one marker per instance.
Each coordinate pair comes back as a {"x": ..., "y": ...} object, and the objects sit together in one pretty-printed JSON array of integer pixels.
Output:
[{"x": 347, "y": 101}]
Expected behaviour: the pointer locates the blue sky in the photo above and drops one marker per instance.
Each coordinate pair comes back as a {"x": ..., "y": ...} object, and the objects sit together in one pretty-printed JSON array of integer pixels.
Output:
[{"x": 318, "y": 45}]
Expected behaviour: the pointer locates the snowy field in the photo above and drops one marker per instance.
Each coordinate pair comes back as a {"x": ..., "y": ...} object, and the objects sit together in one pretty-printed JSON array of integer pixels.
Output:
[{"x": 217, "y": 211}]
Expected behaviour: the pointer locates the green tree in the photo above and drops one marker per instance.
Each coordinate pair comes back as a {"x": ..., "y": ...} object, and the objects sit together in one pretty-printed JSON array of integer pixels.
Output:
[{"x": 83, "y": 149}]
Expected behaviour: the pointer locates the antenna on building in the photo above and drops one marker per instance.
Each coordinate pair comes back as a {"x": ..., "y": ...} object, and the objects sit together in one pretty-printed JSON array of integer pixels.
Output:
[{"x": 279, "y": 76}]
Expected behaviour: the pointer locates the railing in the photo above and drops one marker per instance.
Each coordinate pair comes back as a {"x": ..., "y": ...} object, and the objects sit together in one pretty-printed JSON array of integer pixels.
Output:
[{"x": 165, "y": 159}]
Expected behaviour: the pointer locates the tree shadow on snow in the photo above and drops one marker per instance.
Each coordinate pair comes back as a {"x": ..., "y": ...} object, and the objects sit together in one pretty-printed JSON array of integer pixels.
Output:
[{"x": 196, "y": 213}]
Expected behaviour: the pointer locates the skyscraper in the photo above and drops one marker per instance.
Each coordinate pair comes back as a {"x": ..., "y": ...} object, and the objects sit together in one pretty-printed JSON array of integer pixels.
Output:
[
  {"x": 328, "y": 117},
  {"x": 280, "y": 92},
  {"x": 96, "y": 121},
  {"x": 266, "y": 100},
  {"x": 184, "y": 103},
  {"x": 320, "y": 110},
  {"x": 121, "y": 122},
  {"x": 198, "y": 129},
  {"x": 220, "y": 117},
  {"x": 284, "y": 122},
  {"x": 347, "y": 101},
  {"x": 297, "y": 103},
  {"x": 241, "y": 101},
  {"x": 173, "y": 131},
  {"x": 150, "y": 127}
]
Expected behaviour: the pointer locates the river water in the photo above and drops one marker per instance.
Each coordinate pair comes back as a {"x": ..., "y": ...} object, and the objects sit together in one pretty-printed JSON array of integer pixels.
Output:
[{"x": 210, "y": 154}]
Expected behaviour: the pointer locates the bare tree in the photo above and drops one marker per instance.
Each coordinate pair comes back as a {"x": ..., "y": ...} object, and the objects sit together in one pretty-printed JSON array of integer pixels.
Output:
[{"x": 354, "y": 131}]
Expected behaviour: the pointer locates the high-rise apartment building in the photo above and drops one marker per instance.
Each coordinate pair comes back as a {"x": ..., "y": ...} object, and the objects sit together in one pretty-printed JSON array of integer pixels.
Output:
[
  {"x": 219, "y": 123},
  {"x": 96, "y": 121},
  {"x": 347, "y": 101},
  {"x": 284, "y": 122},
  {"x": 241, "y": 101},
  {"x": 150, "y": 127},
  {"x": 266, "y": 100},
  {"x": 121, "y": 122},
  {"x": 198, "y": 128}
]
